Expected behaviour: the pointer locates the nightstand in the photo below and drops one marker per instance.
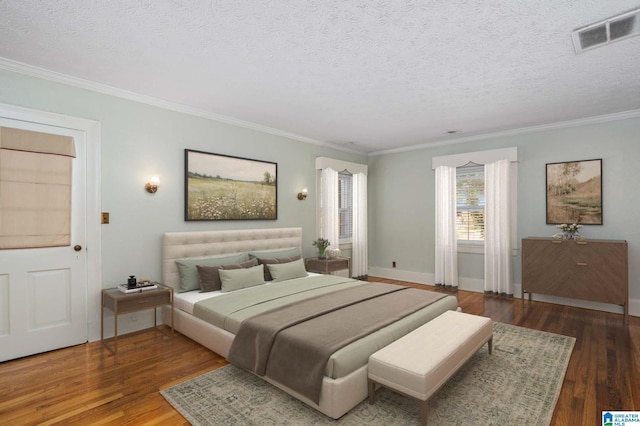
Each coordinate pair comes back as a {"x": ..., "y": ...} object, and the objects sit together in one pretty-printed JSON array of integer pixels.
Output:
[
  {"x": 326, "y": 266},
  {"x": 121, "y": 303}
]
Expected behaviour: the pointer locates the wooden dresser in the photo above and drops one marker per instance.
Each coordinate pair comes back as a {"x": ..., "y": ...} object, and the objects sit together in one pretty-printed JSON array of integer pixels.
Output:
[{"x": 595, "y": 270}]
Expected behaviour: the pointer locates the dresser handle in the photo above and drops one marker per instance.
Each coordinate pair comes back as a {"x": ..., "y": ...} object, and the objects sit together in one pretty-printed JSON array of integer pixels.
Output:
[
  {"x": 582, "y": 264},
  {"x": 140, "y": 302}
]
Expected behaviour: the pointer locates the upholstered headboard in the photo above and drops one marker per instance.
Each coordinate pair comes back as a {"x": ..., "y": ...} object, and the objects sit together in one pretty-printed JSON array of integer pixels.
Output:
[{"x": 188, "y": 245}]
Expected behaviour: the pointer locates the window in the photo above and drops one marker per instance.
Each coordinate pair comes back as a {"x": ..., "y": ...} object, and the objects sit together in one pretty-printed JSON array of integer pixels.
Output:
[
  {"x": 470, "y": 215},
  {"x": 345, "y": 206},
  {"x": 336, "y": 202},
  {"x": 470, "y": 203}
]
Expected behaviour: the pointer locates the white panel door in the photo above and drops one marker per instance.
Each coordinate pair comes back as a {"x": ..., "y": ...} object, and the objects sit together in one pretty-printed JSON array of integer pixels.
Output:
[{"x": 43, "y": 292}]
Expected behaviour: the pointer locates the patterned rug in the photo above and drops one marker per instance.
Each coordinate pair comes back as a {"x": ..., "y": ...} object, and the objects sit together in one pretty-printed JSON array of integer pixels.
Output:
[{"x": 518, "y": 384}]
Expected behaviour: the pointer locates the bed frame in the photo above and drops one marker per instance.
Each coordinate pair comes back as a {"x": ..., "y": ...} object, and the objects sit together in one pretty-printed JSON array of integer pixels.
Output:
[{"x": 338, "y": 396}]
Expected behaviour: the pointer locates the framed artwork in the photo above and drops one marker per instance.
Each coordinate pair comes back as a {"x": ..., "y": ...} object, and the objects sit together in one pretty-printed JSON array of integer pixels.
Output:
[
  {"x": 574, "y": 192},
  {"x": 223, "y": 187}
]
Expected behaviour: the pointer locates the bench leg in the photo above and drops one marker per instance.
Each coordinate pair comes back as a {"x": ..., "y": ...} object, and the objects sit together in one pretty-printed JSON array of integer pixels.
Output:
[
  {"x": 423, "y": 412},
  {"x": 490, "y": 343},
  {"x": 372, "y": 391}
]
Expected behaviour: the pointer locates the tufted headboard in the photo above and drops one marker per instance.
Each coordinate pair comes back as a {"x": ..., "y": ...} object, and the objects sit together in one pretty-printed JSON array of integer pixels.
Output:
[{"x": 185, "y": 245}]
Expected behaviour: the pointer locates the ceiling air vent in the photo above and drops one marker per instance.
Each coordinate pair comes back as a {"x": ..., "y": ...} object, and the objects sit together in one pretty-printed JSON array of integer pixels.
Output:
[{"x": 604, "y": 32}]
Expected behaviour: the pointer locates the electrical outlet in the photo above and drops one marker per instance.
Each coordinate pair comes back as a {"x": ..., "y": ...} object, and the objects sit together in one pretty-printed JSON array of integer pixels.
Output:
[
  {"x": 393, "y": 263},
  {"x": 104, "y": 218}
]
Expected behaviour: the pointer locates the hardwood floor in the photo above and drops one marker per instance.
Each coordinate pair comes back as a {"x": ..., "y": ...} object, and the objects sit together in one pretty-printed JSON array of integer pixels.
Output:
[{"x": 86, "y": 384}]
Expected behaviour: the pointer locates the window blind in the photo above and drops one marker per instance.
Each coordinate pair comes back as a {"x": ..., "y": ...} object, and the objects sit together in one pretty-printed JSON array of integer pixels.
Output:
[
  {"x": 345, "y": 206},
  {"x": 470, "y": 203}
]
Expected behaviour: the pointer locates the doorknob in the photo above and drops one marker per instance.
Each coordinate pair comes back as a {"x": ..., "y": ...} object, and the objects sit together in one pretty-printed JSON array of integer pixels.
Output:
[{"x": 77, "y": 247}]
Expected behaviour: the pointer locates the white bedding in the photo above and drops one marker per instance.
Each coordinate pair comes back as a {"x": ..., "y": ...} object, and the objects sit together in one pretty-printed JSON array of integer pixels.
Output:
[{"x": 185, "y": 301}]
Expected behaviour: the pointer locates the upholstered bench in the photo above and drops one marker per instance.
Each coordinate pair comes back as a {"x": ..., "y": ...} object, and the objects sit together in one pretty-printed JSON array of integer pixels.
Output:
[{"x": 418, "y": 364}]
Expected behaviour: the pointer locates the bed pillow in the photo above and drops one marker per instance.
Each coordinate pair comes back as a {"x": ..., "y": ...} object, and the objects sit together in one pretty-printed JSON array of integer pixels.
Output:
[
  {"x": 267, "y": 274},
  {"x": 235, "y": 279},
  {"x": 189, "y": 279},
  {"x": 210, "y": 277},
  {"x": 287, "y": 271},
  {"x": 274, "y": 254}
]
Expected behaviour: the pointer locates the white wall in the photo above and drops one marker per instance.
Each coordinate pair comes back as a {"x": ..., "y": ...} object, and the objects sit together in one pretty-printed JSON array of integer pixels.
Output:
[
  {"x": 140, "y": 140},
  {"x": 401, "y": 195}
]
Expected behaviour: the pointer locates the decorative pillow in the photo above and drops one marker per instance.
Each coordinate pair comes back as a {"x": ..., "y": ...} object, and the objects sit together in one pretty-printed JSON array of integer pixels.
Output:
[
  {"x": 287, "y": 271},
  {"x": 267, "y": 275},
  {"x": 235, "y": 279},
  {"x": 210, "y": 277},
  {"x": 189, "y": 279},
  {"x": 274, "y": 254}
]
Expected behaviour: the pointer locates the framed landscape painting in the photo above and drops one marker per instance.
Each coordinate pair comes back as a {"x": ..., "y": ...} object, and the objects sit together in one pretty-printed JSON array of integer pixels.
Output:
[
  {"x": 574, "y": 192},
  {"x": 223, "y": 187}
]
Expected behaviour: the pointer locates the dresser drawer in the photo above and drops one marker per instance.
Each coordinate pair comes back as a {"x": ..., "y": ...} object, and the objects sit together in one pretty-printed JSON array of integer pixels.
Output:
[
  {"x": 136, "y": 302},
  {"x": 594, "y": 270}
]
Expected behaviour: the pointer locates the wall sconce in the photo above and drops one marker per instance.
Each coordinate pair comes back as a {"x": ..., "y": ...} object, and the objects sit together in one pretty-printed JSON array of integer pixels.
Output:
[
  {"x": 302, "y": 195},
  {"x": 152, "y": 185}
]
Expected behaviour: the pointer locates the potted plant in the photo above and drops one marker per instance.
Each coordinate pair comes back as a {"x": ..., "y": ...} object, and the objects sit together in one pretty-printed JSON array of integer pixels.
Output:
[
  {"x": 570, "y": 231},
  {"x": 322, "y": 244}
]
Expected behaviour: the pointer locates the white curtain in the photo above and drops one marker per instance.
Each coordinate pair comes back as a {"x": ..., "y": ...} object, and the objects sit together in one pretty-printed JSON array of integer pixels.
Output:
[
  {"x": 446, "y": 242},
  {"x": 359, "y": 255},
  {"x": 497, "y": 244},
  {"x": 329, "y": 207}
]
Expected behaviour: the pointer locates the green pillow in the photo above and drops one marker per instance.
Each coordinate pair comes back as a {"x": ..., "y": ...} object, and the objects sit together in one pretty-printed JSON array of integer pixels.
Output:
[
  {"x": 235, "y": 279},
  {"x": 287, "y": 271},
  {"x": 189, "y": 279},
  {"x": 273, "y": 254}
]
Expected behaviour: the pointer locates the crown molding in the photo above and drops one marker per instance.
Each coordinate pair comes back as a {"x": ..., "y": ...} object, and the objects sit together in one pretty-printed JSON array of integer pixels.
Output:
[
  {"x": 56, "y": 77},
  {"x": 524, "y": 130}
]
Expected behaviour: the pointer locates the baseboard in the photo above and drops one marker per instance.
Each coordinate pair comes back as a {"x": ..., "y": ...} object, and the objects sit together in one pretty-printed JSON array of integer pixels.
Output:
[
  {"x": 577, "y": 303},
  {"x": 634, "y": 307},
  {"x": 464, "y": 283},
  {"x": 401, "y": 275},
  {"x": 477, "y": 285},
  {"x": 127, "y": 323}
]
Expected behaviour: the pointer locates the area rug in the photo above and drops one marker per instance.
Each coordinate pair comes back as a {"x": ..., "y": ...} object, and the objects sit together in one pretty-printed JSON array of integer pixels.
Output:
[{"x": 518, "y": 384}]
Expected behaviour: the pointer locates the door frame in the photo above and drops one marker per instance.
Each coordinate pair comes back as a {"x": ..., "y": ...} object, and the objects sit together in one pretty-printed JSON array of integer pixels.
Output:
[{"x": 93, "y": 248}]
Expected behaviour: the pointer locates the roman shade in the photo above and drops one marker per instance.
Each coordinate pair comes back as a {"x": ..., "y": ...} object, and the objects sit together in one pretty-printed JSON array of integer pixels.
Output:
[{"x": 35, "y": 189}]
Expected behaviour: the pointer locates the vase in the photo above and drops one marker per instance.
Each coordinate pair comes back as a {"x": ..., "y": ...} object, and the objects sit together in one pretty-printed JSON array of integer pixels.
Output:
[
  {"x": 332, "y": 253},
  {"x": 568, "y": 235},
  {"x": 321, "y": 254}
]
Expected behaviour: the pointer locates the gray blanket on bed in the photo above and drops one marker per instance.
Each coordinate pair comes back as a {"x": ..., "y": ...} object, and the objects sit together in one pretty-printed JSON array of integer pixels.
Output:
[{"x": 292, "y": 344}]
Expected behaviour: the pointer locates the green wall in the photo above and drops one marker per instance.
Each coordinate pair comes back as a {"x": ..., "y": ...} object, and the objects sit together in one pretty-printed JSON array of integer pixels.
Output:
[
  {"x": 401, "y": 188},
  {"x": 139, "y": 140}
]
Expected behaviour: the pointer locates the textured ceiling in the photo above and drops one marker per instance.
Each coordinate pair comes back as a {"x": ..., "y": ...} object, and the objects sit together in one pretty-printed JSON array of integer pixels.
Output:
[{"x": 369, "y": 75}]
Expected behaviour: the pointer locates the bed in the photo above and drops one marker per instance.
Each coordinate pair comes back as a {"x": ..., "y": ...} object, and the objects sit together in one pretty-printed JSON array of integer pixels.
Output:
[{"x": 344, "y": 383}]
